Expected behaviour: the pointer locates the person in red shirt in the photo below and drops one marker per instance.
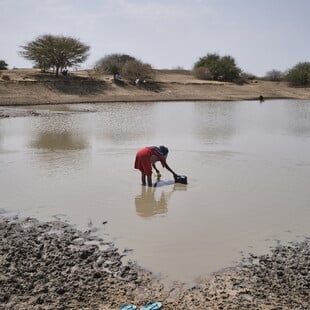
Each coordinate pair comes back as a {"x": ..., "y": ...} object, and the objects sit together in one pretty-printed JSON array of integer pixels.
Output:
[{"x": 146, "y": 159}]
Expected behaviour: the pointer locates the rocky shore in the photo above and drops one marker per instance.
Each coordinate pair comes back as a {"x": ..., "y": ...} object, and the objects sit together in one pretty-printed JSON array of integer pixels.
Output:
[{"x": 55, "y": 266}]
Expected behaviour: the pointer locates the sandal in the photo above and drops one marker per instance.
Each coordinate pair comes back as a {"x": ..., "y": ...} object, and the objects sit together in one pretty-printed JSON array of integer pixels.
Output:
[
  {"x": 152, "y": 306},
  {"x": 128, "y": 307}
]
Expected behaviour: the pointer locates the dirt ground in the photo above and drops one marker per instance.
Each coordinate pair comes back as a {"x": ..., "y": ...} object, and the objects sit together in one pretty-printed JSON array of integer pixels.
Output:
[
  {"x": 55, "y": 266},
  {"x": 29, "y": 86}
]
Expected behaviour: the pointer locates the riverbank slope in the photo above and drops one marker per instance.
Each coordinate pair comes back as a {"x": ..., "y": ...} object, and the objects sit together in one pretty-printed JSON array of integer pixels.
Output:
[{"x": 30, "y": 87}]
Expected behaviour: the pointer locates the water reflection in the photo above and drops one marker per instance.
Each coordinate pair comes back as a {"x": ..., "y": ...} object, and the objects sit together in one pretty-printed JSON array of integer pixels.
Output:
[
  {"x": 149, "y": 203},
  {"x": 59, "y": 141}
]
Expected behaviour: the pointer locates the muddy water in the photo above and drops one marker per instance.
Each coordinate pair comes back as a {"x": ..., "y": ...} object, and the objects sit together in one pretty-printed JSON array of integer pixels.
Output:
[{"x": 248, "y": 167}]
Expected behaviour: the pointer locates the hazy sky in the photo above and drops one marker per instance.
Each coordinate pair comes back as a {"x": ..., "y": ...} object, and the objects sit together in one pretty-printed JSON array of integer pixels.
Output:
[{"x": 260, "y": 34}]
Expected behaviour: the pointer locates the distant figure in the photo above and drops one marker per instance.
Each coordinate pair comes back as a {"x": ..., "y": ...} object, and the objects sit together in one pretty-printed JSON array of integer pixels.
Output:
[
  {"x": 117, "y": 76},
  {"x": 261, "y": 98},
  {"x": 64, "y": 72},
  {"x": 146, "y": 159}
]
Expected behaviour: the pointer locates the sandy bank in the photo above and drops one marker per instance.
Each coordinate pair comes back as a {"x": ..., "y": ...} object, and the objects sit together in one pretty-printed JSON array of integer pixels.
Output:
[
  {"x": 28, "y": 87},
  {"x": 54, "y": 266}
]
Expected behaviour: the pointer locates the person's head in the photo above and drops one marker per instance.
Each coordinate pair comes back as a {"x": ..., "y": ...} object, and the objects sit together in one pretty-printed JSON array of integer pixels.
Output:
[{"x": 164, "y": 150}]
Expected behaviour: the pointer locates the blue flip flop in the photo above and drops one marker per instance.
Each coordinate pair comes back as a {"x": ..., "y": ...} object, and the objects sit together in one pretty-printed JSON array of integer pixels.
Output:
[
  {"x": 128, "y": 307},
  {"x": 152, "y": 306}
]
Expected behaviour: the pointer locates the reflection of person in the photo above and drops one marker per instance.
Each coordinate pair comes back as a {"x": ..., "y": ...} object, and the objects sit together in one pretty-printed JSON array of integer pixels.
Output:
[
  {"x": 147, "y": 205},
  {"x": 146, "y": 159}
]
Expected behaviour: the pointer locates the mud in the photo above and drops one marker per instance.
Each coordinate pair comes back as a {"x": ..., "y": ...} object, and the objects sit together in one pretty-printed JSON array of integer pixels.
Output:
[{"x": 55, "y": 266}]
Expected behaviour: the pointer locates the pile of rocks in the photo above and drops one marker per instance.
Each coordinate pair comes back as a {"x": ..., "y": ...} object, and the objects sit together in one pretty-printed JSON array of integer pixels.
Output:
[{"x": 53, "y": 266}]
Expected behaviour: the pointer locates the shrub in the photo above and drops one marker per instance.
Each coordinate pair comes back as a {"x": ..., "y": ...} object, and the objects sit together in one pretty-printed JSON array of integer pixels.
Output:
[
  {"x": 113, "y": 63},
  {"x": 6, "y": 77},
  {"x": 299, "y": 75},
  {"x": 274, "y": 75},
  {"x": 136, "y": 69},
  {"x": 219, "y": 68},
  {"x": 248, "y": 76},
  {"x": 3, "y": 65},
  {"x": 202, "y": 73}
]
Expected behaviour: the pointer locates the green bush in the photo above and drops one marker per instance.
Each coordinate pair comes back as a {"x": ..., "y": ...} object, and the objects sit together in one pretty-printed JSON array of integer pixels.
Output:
[
  {"x": 3, "y": 65},
  {"x": 299, "y": 75},
  {"x": 219, "y": 68},
  {"x": 113, "y": 63},
  {"x": 136, "y": 69}
]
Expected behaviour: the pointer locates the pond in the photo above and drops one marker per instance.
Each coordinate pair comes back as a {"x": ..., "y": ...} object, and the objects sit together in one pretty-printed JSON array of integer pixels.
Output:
[{"x": 247, "y": 163}]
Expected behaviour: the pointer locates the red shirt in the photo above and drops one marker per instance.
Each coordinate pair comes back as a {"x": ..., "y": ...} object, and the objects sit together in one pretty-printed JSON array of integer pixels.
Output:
[{"x": 143, "y": 160}]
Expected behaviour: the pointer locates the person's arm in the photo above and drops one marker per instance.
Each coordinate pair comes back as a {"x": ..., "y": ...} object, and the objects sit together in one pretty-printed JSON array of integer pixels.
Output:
[
  {"x": 157, "y": 171},
  {"x": 169, "y": 169},
  {"x": 153, "y": 165}
]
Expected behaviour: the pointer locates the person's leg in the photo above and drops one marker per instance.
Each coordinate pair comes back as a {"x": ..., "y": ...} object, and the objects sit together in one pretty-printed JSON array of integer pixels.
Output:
[
  {"x": 149, "y": 179},
  {"x": 143, "y": 181}
]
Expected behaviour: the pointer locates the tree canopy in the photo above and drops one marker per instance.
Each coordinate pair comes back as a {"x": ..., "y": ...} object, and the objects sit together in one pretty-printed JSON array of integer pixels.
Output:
[
  {"x": 3, "y": 65},
  {"x": 136, "y": 69},
  {"x": 49, "y": 51},
  {"x": 215, "y": 67},
  {"x": 113, "y": 63},
  {"x": 299, "y": 75},
  {"x": 128, "y": 66}
]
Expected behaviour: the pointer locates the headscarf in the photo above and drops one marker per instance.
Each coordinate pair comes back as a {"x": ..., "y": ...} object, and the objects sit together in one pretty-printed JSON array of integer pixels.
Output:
[{"x": 161, "y": 152}]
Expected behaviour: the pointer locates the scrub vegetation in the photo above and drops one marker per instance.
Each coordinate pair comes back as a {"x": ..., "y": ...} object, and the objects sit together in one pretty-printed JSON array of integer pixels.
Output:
[
  {"x": 299, "y": 75},
  {"x": 57, "y": 52},
  {"x": 52, "y": 52},
  {"x": 127, "y": 66},
  {"x": 3, "y": 65},
  {"x": 215, "y": 67}
]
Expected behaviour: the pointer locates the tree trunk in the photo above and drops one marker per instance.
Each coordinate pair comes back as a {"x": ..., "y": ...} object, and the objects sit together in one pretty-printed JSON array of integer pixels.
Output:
[{"x": 57, "y": 71}]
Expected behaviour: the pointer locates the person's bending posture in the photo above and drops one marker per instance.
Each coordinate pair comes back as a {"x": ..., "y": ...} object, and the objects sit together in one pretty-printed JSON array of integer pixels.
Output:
[{"x": 146, "y": 159}]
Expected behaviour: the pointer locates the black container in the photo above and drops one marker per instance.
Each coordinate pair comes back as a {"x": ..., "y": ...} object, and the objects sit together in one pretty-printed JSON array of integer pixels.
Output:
[{"x": 180, "y": 179}]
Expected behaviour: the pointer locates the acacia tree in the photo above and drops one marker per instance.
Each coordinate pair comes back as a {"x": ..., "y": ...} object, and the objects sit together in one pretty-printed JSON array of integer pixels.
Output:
[
  {"x": 3, "y": 65},
  {"x": 55, "y": 51},
  {"x": 216, "y": 67}
]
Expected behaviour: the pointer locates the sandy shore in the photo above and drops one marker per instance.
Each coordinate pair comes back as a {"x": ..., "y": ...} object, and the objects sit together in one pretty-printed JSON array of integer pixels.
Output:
[
  {"x": 54, "y": 266},
  {"x": 31, "y": 87}
]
